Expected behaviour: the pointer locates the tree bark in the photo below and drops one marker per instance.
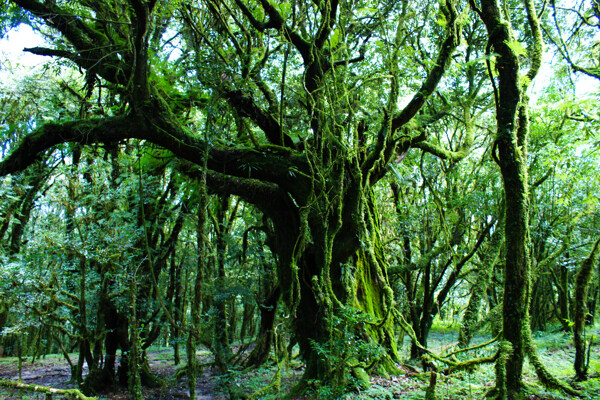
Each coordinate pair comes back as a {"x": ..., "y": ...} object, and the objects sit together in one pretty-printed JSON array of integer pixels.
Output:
[
  {"x": 510, "y": 156},
  {"x": 264, "y": 341},
  {"x": 582, "y": 283},
  {"x": 510, "y": 153}
]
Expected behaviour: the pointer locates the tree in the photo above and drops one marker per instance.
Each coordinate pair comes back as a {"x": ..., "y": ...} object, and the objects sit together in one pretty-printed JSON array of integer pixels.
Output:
[
  {"x": 572, "y": 28},
  {"x": 510, "y": 153},
  {"x": 584, "y": 275},
  {"x": 300, "y": 108},
  {"x": 312, "y": 175}
]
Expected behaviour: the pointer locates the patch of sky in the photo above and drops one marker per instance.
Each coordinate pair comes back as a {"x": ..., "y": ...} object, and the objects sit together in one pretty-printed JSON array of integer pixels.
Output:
[{"x": 12, "y": 46}]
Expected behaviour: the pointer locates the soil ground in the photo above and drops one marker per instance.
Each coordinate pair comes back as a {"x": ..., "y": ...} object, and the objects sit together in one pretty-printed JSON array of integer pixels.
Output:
[{"x": 555, "y": 348}]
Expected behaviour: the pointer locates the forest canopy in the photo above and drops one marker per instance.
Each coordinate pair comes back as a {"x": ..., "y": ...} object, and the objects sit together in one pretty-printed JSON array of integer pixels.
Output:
[{"x": 320, "y": 181}]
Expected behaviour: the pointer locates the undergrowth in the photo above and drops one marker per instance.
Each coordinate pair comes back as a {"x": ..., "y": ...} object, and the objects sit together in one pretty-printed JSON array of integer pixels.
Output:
[{"x": 555, "y": 349}]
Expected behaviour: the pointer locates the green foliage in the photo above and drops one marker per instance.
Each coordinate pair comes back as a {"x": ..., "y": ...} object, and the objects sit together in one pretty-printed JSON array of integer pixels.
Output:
[
  {"x": 347, "y": 353},
  {"x": 517, "y": 47},
  {"x": 295, "y": 114},
  {"x": 11, "y": 16}
]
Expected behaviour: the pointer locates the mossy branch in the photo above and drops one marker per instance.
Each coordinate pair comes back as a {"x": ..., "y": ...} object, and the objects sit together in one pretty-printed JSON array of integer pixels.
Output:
[
  {"x": 537, "y": 46},
  {"x": 436, "y": 73},
  {"x": 472, "y": 363},
  {"x": 70, "y": 393},
  {"x": 542, "y": 372},
  {"x": 241, "y": 162},
  {"x": 445, "y": 154},
  {"x": 452, "y": 364},
  {"x": 479, "y": 346},
  {"x": 94, "y": 50}
]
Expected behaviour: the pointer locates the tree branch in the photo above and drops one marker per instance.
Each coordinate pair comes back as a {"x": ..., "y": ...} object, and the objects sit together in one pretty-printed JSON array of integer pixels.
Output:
[
  {"x": 246, "y": 107},
  {"x": 442, "y": 153},
  {"x": 277, "y": 22},
  {"x": 95, "y": 51},
  {"x": 272, "y": 164},
  {"x": 436, "y": 73},
  {"x": 70, "y": 393},
  {"x": 329, "y": 12}
]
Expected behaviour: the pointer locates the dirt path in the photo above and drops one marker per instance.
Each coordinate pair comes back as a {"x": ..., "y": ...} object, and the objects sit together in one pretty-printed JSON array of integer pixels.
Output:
[{"x": 55, "y": 373}]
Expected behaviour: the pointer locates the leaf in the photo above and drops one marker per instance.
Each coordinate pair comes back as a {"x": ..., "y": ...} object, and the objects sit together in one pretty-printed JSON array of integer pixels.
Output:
[
  {"x": 517, "y": 47},
  {"x": 285, "y": 9},
  {"x": 335, "y": 38},
  {"x": 441, "y": 20}
]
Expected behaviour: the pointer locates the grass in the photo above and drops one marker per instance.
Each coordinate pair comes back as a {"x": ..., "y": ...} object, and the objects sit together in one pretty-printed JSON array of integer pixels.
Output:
[{"x": 555, "y": 349}]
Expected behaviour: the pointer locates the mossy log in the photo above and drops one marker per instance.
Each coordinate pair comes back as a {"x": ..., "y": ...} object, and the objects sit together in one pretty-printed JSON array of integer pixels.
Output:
[{"x": 70, "y": 393}]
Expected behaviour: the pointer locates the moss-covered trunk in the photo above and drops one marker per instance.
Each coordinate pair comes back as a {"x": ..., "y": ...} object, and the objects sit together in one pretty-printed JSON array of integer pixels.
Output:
[
  {"x": 563, "y": 297},
  {"x": 134, "y": 355},
  {"x": 196, "y": 300},
  {"x": 176, "y": 307},
  {"x": 338, "y": 338},
  {"x": 268, "y": 310},
  {"x": 489, "y": 257},
  {"x": 582, "y": 282},
  {"x": 221, "y": 340},
  {"x": 511, "y": 158},
  {"x": 510, "y": 153},
  {"x": 344, "y": 319}
]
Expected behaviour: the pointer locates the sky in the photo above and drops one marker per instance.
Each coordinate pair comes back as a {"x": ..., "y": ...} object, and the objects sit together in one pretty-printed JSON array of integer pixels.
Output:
[{"x": 12, "y": 45}]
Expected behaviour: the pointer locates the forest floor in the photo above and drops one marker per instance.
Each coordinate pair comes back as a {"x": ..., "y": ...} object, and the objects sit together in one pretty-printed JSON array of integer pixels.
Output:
[{"x": 555, "y": 349}]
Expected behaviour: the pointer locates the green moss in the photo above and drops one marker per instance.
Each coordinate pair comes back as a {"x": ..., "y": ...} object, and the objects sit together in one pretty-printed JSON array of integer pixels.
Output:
[
  {"x": 582, "y": 282},
  {"x": 361, "y": 375},
  {"x": 69, "y": 393},
  {"x": 430, "y": 391}
]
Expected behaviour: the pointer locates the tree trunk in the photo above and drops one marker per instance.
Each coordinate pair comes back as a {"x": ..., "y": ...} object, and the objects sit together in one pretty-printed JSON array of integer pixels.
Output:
[
  {"x": 346, "y": 303},
  {"x": 177, "y": 303},
  {"x": 268, "y": 310},
  {"x": 197, "y": 298},
  {"x": 510, "y": 153},
  {"x": 221, "y": 339},
  {"x": 582, "y": 282},
  {"x": 247, "y": 328},
  {"x": 542, "y": 297},
  {"x": 564, "y": 298},
  {"x": 510, "y": 156},
  {"x": 489, "y": 257},
  {"x": 330, "y": 336},
  {"x": 134, "y": 356}
]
